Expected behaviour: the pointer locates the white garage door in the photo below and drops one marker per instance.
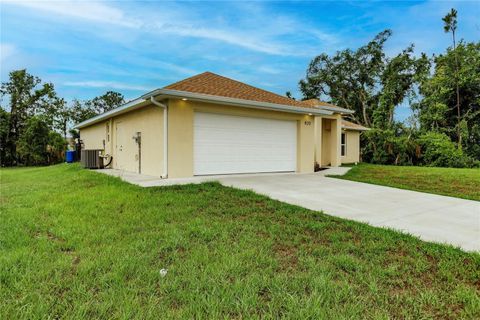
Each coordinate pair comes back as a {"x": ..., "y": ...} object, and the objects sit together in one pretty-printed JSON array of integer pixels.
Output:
[{"x": 225, "y": 144}]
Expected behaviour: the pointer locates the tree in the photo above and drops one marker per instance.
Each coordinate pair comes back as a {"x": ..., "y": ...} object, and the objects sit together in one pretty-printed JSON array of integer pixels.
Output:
[
  {"x": 106, "y": 102},
  {"x": 365, "y": 80},
  {"x": 33, "y": 142},
  {"x": 27, "y": 97},
  {"x": 288, "y": 94},
  {"x": 399, "y": 76},
  {"x": 38, "y": 145},
  {"x": 438, "y": 92},
  {"x": 62, "y": 117},
  {"x": 4, "y": 123},
  {"x": 81, "y": 112},
  {"x": 450, "y": 25}
]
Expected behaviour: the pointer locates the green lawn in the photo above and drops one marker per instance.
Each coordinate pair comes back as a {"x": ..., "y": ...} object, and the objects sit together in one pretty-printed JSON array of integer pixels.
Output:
[
  {"x": 78, "y": 244},
  {"x": 461, "y": 183}
]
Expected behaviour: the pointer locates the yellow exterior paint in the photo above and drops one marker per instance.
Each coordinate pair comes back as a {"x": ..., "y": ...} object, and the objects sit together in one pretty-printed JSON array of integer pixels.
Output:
[
  {"x": 352, "y": 146},
  {"x": 318, "y": 137},
  {"x": 149, "y": 122},
  {"x": 318, "y": 140},
  {"x": 94, "y": 136},
  {"x": 327, "y": 140},
  {"x": 121, "y": 129},
  {"x": 335, "y": 141},
  {"x": 180, "y": 133}
]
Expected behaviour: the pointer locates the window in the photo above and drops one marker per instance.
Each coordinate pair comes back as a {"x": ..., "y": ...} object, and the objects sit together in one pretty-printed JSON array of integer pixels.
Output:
[{"x": 344, "y": 145}]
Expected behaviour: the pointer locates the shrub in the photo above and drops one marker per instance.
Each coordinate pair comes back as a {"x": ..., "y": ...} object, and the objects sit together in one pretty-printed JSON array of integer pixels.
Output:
[
  {"x": 404, "y": 146},
  {"x": 390, "y": 146},
  {"x": 438, "y": 150},
  {"x": 38, "y": 145}
]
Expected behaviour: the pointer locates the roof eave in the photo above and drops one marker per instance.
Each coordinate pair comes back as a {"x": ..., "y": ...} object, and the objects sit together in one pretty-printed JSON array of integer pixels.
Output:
[
  {"x": 129, "y": 106},
  {"x": 336, "y": 109},
  {"x": 355, "y": 129},
  {"x": 168, "y": 93}
]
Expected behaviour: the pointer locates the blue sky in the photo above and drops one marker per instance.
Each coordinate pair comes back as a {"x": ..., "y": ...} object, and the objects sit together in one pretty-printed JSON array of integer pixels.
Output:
[{"x": 86, "y": 48}]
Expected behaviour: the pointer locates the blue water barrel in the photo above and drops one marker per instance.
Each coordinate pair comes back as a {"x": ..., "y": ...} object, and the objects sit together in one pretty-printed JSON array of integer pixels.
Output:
[{"x": 70, "y": 156}]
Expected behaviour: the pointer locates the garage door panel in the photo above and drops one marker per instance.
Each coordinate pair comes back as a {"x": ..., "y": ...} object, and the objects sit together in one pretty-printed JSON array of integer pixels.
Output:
[{"x": 225, "y": 144}]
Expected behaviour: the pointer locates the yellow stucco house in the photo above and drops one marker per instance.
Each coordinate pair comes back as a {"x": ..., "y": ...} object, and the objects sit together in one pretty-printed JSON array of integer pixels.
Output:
[{"x": 209, "y": 124}]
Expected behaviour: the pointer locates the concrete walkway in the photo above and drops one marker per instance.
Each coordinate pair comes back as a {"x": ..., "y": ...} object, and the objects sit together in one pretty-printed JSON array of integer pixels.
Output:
[{"x": 428, "y": 216}]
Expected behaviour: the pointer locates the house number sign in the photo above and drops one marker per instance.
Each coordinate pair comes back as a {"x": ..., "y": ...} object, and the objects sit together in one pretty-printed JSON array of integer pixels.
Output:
[{"x": 308, "y": 123}]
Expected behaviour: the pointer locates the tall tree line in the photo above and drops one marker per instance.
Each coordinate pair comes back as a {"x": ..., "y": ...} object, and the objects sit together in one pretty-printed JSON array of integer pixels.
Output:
[
  {"x": 443, "y": 91},
  {"x": 34, "y": 120}
]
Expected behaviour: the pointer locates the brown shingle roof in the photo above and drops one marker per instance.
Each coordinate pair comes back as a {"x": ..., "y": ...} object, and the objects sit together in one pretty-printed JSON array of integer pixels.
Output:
[
  {"x": 317, "y": 103},
  {"x": 214, "y": 84},
  {"x": 352, "y": 126}
]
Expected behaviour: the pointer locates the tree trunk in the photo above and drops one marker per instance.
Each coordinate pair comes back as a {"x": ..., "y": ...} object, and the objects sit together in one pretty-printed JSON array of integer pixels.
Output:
[
  {"x": 459, "y": 135},
  {"x": 365, "y": 117},
  {"x": 12, "y": 136},
  {"x": 366, "y": 120}
]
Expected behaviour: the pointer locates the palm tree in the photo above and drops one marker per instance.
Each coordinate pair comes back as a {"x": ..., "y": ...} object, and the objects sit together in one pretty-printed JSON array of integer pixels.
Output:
[{"x": 450, "y": 25}]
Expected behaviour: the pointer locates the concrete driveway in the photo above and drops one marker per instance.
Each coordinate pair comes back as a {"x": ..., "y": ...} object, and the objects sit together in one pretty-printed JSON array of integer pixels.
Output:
[{"x": 428, "y": 216}]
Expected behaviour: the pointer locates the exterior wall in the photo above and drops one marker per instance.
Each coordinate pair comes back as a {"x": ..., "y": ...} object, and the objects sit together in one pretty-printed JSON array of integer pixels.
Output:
[
  {"x": 326, "y": 145},
  {"x": 353, "y": 147},
  {"x": 180, "y": 133},
  {"x": 335, "y": 141},
  {"x": 94, "y": 136},
  {"x": 318, "y": 139},
  {"x": 148, "y": 121},
  {"x": 327, "y": 140}
]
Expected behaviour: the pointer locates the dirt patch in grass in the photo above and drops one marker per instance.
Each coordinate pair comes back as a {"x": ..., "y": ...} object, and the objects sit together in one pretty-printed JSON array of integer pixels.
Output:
[{"x": 286, "y": 256}]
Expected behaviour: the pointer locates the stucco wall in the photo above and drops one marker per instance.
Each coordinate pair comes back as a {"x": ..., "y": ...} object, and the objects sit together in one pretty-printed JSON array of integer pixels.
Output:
[
  {"x": 327, "y": 140},
  {"x": 148, "y": 121},
  {"x": 326, "y": 145},
  {"x": 94, "y": 136},
  {"x": 353, "y": 147},
  {"x": 180, "y": 133}
]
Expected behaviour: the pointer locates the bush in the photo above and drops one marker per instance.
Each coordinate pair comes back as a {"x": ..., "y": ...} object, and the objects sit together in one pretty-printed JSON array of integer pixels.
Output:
[
  {"x": 5, "y": 156},
  {"x": 439, "y": 151},
  {"x": 56, "y": 147},
  {"x": 38, "y": 145},
  {"x": 390, "y": 146},
  {"x": 404, "y": 146}
]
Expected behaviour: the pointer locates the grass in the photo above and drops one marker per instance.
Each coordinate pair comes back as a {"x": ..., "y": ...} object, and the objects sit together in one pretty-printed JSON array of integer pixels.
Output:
[
  {"x": 78, "y": 244},
  {"x": 453, "y": 182}
]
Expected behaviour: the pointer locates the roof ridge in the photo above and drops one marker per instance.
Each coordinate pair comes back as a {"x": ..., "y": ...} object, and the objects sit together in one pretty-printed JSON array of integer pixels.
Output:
[
  {"x": 187, "y": 79},
  {"x": 249, "y": 85},
  {"x": 237, "y": 82}
]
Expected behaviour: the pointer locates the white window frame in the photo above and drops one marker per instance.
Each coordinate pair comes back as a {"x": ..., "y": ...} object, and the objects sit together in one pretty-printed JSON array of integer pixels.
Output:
[{"x": 343, "y": 144}]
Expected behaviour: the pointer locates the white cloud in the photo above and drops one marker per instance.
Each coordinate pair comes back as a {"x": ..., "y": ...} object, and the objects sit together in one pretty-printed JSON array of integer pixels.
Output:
[
  {"x": 254, "y": 32},
  {"x": 88, "y": 10},
  {"x": 230, "y": 37},
  {"x": 270, "y": 69},
  {"x": 107, "y": 84},
  {"x": 6, "y": 50}
]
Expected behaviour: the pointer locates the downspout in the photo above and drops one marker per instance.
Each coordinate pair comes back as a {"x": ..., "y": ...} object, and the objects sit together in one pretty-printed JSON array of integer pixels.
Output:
[{"x": 165, "y": 135}]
